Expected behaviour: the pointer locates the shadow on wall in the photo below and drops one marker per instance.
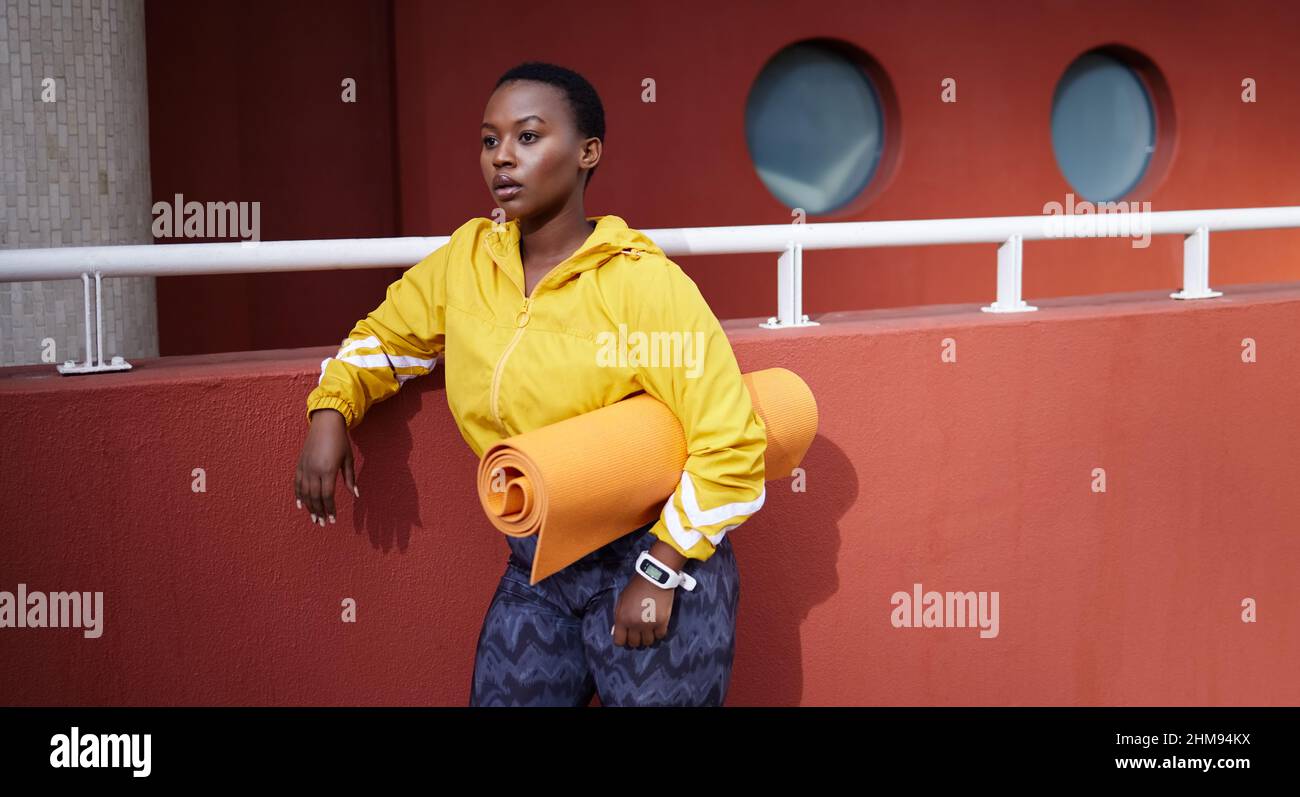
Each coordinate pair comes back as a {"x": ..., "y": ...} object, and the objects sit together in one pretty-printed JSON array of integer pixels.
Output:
[{"x": 773, "y": 605}]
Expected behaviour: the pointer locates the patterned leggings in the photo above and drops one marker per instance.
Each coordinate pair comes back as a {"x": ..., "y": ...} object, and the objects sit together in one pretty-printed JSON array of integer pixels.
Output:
[{"x": 549, "y": 644}]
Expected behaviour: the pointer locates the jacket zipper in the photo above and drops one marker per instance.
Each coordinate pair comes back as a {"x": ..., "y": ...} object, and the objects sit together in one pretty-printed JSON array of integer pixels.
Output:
[{"x": 521, "y": 321}]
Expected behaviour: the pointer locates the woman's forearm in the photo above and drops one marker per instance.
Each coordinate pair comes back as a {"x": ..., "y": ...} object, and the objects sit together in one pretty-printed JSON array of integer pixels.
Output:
[{"x": 668, "y": 555}]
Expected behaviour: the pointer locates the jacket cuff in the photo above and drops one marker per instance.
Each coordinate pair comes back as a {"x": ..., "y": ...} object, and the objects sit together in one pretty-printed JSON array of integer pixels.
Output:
[
  {"x": 331, "y": 403},
  {"x": 701, "y": 550}
]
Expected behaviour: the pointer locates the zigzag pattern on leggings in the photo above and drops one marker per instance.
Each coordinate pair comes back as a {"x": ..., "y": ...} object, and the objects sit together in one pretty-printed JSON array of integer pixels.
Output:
[
  {"x": 549, "y": 644},
  {"x": 524, "y": 657}
]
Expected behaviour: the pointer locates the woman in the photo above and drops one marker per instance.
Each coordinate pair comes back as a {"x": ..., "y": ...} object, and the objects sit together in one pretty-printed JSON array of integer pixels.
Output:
[{"x": 525, "y": 312}]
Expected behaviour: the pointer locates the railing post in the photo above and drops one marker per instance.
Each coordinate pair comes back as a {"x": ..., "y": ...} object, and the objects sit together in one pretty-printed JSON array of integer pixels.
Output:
[
  {"x": 91, "y": 366},
  {"x": 789, "y": 291},
  {"x": 1010, "y": 260},
  {"x": 1196, "y": 267}
]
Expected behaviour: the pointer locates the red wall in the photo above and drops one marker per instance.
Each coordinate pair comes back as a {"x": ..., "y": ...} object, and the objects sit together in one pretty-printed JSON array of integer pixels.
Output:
[
  {"x": 965, "y": 476},
  {"x": 244, "y": 104}
]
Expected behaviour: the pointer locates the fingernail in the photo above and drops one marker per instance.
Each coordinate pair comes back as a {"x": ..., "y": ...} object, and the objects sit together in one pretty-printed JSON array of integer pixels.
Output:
[
  {"x": 332, "y": 518},
  {"x": 322, "y": 522},
  {"x": 356, "y": 492},
  {"x": 299, "y": 504},
  {"x": 313, "y": 518}
]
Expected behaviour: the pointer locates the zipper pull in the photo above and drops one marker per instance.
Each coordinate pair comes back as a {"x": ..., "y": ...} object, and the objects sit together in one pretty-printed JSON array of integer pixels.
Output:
[{"x": 522, "y": 319}]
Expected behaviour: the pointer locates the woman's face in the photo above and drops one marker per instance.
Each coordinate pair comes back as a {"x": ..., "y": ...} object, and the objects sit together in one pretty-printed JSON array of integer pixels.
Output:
[{"x": 531, "y": 137}]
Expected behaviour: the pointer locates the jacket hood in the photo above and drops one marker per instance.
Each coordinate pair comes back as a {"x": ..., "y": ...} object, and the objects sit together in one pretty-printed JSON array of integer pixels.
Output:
[{"x": 611, "y": 237}]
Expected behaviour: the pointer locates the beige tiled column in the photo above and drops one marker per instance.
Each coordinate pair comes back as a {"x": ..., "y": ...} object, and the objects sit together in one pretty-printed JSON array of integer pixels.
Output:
[{"x": 75, "y": 171}]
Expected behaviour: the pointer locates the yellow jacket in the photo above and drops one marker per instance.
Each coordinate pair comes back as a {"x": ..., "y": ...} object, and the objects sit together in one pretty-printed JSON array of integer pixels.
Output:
[{"x": 614, "y": 319}]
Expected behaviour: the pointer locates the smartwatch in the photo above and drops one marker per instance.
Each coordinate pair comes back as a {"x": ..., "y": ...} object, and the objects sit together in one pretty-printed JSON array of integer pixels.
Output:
[{"x": 661, "y": 575}]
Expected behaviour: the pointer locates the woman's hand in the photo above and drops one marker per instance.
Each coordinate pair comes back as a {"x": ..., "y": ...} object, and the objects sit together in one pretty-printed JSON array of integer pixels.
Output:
[
  {"x": 326, "y": 450},
  {"x": 642, "y": 610},
  {"x": 641, "y": 613}
]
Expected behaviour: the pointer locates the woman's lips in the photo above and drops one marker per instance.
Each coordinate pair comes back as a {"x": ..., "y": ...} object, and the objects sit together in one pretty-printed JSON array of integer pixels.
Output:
[{"x": 504, "y": 192}]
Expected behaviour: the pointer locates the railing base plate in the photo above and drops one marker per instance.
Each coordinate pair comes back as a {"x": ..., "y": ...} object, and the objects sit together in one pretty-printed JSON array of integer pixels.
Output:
[
  {"x": 71, "y": 367},
  {"x": 1021, "y": 308},
  {"x": 774, "y": 323}
]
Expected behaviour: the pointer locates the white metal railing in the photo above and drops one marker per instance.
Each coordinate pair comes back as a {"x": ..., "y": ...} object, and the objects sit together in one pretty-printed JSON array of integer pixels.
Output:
[{"x": 788, "y": 240}]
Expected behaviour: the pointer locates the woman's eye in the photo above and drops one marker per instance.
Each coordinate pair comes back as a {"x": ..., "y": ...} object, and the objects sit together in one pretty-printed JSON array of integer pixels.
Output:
[
  {"x": 487, "y": 139},
  {"x": 528, "y": 133}
]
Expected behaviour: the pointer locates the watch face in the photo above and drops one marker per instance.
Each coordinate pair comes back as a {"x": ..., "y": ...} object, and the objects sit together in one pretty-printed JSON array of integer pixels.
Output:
[{"x": 655, "y": 573}]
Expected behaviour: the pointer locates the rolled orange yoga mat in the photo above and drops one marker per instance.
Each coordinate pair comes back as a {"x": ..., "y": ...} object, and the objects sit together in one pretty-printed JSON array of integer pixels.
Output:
[{"x": 586, "y": 481}]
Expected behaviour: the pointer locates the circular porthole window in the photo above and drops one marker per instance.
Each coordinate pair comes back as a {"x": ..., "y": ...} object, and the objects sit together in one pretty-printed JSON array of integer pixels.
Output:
[
  {"x": 815, "y": 124},
  {"x": 1104, "y": 131}
]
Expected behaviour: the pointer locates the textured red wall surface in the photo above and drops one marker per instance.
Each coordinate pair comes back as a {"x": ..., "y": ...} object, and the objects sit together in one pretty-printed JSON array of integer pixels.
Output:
[
  {"x": 244, "y": 103},
  {"x": 971, "y": 475}
]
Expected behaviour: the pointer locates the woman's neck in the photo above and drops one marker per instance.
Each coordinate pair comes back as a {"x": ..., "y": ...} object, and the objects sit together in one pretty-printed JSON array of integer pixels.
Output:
[{"x": 554, "y": 239}]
